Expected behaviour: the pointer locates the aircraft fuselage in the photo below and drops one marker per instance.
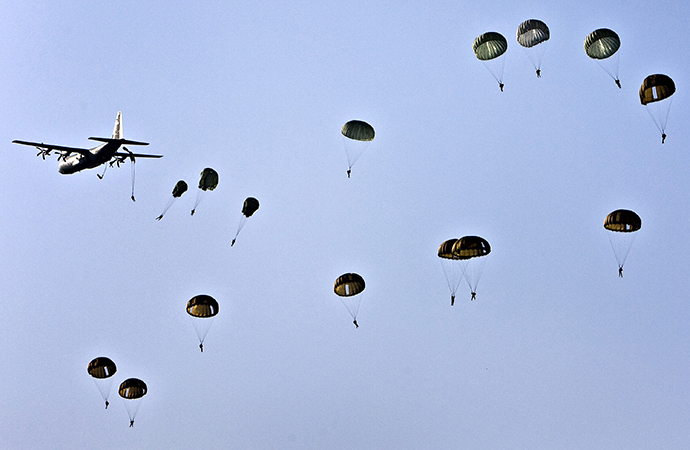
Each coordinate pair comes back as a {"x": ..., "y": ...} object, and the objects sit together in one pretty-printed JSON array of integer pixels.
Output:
[{"x": 97, "y": 156}]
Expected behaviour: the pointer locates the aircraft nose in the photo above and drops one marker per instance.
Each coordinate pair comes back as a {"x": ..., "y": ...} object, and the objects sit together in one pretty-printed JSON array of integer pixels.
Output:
[{"x": 66, "y": 168}]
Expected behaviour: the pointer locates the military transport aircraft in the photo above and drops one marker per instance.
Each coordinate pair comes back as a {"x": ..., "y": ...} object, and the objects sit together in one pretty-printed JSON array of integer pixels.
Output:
[{"x": 73, "y": 159}]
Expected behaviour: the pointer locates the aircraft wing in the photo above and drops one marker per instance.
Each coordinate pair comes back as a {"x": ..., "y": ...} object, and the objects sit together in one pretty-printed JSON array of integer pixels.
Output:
[
  {"x": 137, "y": 155},
  {"x": 60, "y": 148}
]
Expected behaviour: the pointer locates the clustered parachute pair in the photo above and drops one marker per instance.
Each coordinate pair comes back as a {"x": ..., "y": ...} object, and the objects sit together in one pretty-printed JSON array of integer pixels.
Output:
[
  {"x": 463, "y": 258},
  {"x": 208, "y": 181},
  {"x": 132, "y": 390},
  {"x": 601, "y": 45}
]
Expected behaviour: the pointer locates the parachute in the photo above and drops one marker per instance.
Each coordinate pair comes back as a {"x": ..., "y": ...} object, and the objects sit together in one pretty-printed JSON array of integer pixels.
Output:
[
  {"x": 452, "y": 267},
  {"x": 132, "y": 391},
  {"x": 102, "y": 369},
  {"x": 601, "y": 45},
  {"x": 655, "y": 94},
  {"x": 623, "y": 224},
  {"x": 248, "y": 208},
  {"x": 179, "y": 189},
  {"x": 530, "y": 34},
  {"x": 471, "y": 251},
  {"x": 488, "y": 48},
  {"x": 357, "y": 136},
  {"x": 347, "y": 287},
  {"x": 207, "y": 182},
  {"x": 202, "y": 308}
]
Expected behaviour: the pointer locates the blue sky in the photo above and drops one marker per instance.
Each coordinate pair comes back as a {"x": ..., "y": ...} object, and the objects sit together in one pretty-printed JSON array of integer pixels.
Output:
[{"x": 556, "y": 352}]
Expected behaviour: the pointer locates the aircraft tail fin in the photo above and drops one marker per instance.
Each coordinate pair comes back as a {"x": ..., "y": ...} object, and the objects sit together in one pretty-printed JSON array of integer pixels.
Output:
[
  {"x": 117, "y": 131},
  {"x": 117, "y": 134}
]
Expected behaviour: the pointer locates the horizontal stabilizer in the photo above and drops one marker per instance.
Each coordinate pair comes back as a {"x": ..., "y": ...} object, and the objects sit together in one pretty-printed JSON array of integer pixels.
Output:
[
  {"x": 137, "y": 155},
  {"x": 119, "y": 141}
]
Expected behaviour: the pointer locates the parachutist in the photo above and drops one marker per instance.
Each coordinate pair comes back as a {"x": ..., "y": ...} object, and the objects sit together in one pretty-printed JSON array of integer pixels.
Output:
[
  {"x": 106, "y": 404},
  {"x": 201, "y": 346},
  {"x": 232, "y": 243},
  {"x": 538, "y": 73},
  {"x": 663, "y": 137},
  {"x": 159, "y": 217},
  {"x": 618, "y": 83},
  {"x": 193, "y": 211},
  {"x": 131, "y": 423},
  {"x": 474, "y": 296},
  {"x": 349, "y": 171},
  {"x": 452, "y": 300},
  {"x": 620, "y": 272},
  {"x": 501, "y": 86},
  {"x": 355, "y": 322},
  {"x": 133, "y": 198}
]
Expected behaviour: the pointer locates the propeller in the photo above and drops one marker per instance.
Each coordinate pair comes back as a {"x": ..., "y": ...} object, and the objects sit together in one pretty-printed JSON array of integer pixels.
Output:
[{"x": 43, "y": 152}]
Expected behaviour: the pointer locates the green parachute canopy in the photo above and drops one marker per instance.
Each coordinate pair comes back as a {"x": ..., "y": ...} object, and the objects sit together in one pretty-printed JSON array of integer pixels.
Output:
[
  {"x": 202, "y": 306},
  {"x": 179, "y": 189},
  {"x": 358, "y": 131},
  {"x": 132, "y": 391},
  {"x": 250, "y": 206},
  {"x": 655, "y": 95},
  {"x": 532, "y": 32},
  {"x": 623, "y": 221},
  {"x": 445, "y": 250},
  {"x": 101, "y": 367},
  {"x": 208, "y": 180},
  {"x": 471, "y": 247},
  {"x": 623, "y": 225},
  {"x": 132, "y": 388},
  {"x": 656, "y": 88},
  {"x": 602, "y": 43},
  {"x": 102, "y": 370},
  {"x": 348, "y": 285},
  {"x": 203, "y": 309},
  {"x": 489, "y": 46}
]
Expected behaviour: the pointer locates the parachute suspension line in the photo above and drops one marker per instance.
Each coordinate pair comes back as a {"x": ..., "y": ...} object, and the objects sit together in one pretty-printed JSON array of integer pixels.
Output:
[
  {"x": 353, "y": 150},
  {"x": 495, "y": 67},
  {"x": 243, "y": 220},
  {"x": 133, "y": 177},
  {"x": 199, "y": 197},
  {"x": 621, "y": 243},
  {"x": 536, "y": 56},
  {"x": 104, "y": 385},
  {"x": 167, "y": 207},
  {"x": 611, "y": 67},
  {"x": 659, "y": 113},
  {"x": 132, "y": 407},
  {"x": 352, "y": 306},
  {"x": 202, "y": 327},
  {"x": 473, "y": 272},
  {"x": 451, "y": 269}
]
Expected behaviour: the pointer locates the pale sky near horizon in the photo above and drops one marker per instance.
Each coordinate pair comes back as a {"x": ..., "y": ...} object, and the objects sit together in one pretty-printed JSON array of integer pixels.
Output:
[{"x": 557, "y": 351}]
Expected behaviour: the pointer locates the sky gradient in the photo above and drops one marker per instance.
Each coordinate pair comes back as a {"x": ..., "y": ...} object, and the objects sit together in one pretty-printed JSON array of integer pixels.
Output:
[{"x": 556, "y": 352}]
